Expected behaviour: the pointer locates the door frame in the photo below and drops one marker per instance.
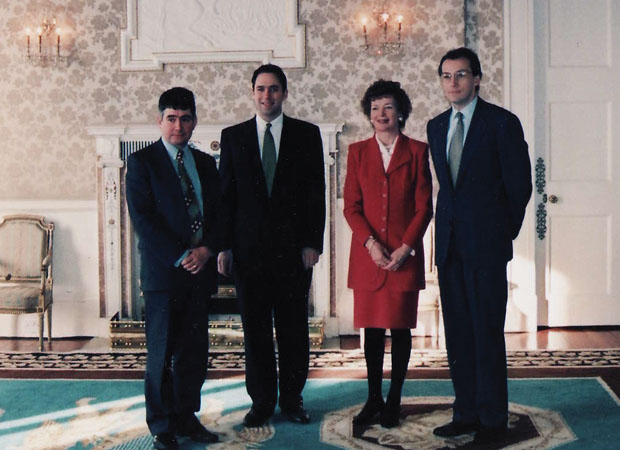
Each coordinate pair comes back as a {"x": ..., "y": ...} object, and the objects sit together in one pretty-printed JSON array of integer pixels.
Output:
[{"x": 526, "y": 270}]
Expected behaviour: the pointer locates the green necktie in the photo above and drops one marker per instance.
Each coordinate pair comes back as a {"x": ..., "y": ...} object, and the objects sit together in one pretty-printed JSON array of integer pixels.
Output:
[
  {"x": 456, "y": 147},
  {"x": 191, "y": 202},
  {"x": 269, "y": 158}
]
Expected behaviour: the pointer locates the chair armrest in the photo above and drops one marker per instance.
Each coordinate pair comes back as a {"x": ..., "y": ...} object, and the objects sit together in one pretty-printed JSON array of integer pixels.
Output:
[{"x": 46, "y": 261}]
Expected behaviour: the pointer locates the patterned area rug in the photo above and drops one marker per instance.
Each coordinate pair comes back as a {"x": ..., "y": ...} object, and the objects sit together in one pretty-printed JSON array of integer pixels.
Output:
[
  {"x": 319, "y": 359},
  {"x": 576, "y": 413}
]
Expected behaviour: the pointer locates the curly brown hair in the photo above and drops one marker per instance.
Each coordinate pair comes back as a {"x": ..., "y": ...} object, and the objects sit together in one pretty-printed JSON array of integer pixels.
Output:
[{"x": 386, "y": 88}]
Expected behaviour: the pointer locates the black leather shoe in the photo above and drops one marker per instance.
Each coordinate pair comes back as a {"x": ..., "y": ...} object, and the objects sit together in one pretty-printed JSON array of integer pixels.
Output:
[
  {"x": 369, "y": 412},
  {"x": 255, "y": 418},
  {"x": 488, "y": 435},
  {"x": 193, "y": 429},
  {"x": 390, "y": 416},
  {"x": 455, "y": 429},
  {"x": 297, "y": 414},
  {"x": 165, "y": 441}
]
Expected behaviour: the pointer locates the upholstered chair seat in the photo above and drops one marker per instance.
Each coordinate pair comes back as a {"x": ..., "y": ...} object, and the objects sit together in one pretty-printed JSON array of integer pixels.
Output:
[{"x": 20, "y": 297}]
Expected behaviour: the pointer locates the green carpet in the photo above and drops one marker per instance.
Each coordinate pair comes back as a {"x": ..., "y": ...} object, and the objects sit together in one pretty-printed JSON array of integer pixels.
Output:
[{"x": 567, "y": 413}]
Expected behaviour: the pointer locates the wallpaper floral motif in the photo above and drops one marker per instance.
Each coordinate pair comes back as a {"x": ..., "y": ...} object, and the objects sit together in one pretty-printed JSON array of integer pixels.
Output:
[{"x": 47, "y": 153}]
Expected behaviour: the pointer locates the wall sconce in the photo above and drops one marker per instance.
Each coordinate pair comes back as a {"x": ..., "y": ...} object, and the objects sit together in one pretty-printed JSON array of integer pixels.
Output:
[
  {"x": 384, "y": 44},
  {"x": 43, "y": 46}
]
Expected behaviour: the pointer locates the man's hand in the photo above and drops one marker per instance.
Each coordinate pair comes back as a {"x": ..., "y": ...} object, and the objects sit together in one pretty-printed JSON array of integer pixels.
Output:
[
  {"x": 309, "y": 256},
  {"x": 398, "y": 257},
  {"x": 225, "y": 262},
  {"x": 195, "y": 261}
]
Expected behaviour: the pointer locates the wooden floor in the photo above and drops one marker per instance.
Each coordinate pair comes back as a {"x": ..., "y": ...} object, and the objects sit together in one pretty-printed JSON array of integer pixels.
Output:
[{"x": 546, "y": 339}]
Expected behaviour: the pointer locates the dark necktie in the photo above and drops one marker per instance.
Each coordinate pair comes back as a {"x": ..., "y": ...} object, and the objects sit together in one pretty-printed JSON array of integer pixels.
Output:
[
  {"x": 269, "y": 158},
  {"x": 191, "y": 202},
  {"x": 456, "y": 147}
]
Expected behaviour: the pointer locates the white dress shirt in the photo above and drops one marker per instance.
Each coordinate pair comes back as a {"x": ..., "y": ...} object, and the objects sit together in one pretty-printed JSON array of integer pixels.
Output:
[{"x": 386, "y": 151}]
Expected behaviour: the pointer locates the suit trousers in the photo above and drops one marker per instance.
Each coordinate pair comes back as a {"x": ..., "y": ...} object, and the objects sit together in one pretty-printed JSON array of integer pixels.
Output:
[
  {"x": 177, "y": 340},
  {"x": 267, "y": 297},
  {"x": 474, "y": 311}
]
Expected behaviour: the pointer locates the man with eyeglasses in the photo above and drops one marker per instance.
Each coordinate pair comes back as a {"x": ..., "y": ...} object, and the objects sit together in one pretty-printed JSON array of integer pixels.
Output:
[{"x": 484, "y": 173}]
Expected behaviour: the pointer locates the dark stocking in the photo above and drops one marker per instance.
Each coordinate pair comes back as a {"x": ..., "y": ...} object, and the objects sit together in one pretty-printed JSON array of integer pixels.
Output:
[
  {"x": 374, "y": 347},
  {"x": 401, "y": 352}
]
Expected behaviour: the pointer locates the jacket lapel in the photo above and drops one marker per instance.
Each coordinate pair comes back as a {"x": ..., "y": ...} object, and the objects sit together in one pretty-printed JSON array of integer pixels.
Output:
[
  {"x": 401, "y": 155},
  {"x": 476, "y": 131},
  {"x": 251, "y": 152},
  {"x": 440, "y": 159},
  {"x": 285, "y": 154},
  {"x": 170, "y": 179},
  {"x": 169, "y": 174}
]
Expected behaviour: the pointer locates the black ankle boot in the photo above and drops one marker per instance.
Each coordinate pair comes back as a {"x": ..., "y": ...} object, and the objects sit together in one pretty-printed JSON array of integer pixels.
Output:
[
  {"x": 390, "y": 414},
  {"x": 373, "y": 408}
]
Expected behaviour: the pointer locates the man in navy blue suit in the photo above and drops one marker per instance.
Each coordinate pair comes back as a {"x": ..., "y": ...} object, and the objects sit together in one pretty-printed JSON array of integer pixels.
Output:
[
  {"x": 172, "y": 195},
  {"x": 484, "y": 173}
]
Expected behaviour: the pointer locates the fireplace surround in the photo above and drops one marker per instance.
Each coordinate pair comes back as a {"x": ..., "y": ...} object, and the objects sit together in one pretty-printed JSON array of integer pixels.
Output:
[{"x": 119, "y": 290}]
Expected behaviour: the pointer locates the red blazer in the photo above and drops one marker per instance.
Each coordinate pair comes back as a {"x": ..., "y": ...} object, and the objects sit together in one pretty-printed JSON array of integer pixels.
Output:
[{"x": 394, "y": 207}]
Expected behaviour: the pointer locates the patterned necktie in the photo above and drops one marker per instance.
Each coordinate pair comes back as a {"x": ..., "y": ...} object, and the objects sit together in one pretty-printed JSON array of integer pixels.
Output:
[
  {"x": 456, "y": 147},
  {"x": 191, "y": 202},
  {"x": 269, "y": 158}
]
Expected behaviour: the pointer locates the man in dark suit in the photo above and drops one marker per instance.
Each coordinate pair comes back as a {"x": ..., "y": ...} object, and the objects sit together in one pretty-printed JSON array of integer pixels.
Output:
[
  {"x": 483, "y": 168},
  {"x": 172, "y": 195},
  {"x": 273, "y": 217}
]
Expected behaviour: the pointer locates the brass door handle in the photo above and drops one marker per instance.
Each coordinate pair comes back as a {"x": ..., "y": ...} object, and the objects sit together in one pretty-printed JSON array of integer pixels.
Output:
[{"x": 553, "y": 199}]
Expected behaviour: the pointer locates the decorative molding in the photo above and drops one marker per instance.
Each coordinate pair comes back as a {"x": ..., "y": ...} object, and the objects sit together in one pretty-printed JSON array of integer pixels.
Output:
[{"x": 159, "y": 32}]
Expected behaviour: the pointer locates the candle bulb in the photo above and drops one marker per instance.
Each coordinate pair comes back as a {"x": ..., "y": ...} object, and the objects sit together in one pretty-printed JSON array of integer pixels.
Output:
[
  {"x": 364, "y": 28},
  {"x": 28, "y": 41},
  {"x": 385, "y": 17}
]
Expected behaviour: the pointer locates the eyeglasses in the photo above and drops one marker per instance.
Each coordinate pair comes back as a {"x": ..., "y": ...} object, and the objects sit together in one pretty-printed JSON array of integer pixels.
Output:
[{"x": 447, "y": 76}]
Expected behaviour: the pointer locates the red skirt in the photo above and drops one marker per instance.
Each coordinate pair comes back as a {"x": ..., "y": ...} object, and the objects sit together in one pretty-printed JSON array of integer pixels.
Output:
[{"x": 385, "y": 309}]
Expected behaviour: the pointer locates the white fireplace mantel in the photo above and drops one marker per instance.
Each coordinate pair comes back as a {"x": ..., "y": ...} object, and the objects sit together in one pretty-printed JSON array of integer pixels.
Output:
[{"x": 116, "y": 278}]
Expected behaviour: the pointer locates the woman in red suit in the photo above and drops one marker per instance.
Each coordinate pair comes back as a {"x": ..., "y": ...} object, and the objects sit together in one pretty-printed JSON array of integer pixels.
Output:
[{"x": 388, "y": 205}]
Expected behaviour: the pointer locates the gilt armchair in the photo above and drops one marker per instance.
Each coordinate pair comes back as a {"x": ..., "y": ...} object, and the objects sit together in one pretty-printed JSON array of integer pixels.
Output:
[{"x": 26, "y": 268}]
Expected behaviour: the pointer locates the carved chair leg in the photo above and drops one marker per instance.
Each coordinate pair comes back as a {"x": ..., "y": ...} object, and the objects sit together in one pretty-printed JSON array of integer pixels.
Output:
[
  {"x": 49, "y": 324},
  {"x": 41, "y": 331}
]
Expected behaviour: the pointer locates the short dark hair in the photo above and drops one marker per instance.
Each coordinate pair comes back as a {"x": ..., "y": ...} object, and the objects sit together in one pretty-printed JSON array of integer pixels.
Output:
[
  {"x": 270, "y": 68},
  {"x": 386, "y": 88},
  {"x": 468, "y": 54},
  {"x": 177, "y": 98}
]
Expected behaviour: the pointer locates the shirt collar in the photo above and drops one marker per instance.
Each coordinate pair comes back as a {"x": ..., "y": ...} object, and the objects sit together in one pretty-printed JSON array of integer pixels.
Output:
[
  {"x": 386, "y": 148},
  {"x": 173, "y": 149},
  {"x": 468, "y": 111},
  {"x": 262, "y": 124}
]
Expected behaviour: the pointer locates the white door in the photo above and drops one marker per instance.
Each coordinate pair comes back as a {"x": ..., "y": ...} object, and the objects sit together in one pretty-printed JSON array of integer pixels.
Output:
[{"x": 577, "y": 138}]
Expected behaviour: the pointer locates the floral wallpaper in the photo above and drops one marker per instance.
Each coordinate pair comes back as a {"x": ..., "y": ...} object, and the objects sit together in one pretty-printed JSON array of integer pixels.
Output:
[{"x": 47, "y": 153}]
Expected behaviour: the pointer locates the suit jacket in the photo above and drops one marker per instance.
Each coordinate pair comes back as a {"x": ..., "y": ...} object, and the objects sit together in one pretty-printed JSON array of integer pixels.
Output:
[
  {"x": 263, "y": 230},
  {"x": 493, "y": 186},
  {"x": 394, "y": 206},
  {"x": 159, "y": 216}
]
